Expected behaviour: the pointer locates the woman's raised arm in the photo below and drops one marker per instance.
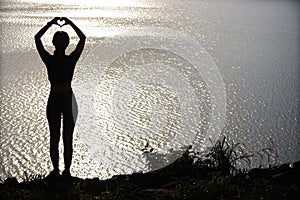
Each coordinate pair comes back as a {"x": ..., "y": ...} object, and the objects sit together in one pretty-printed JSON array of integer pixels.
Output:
[
  {"x": 79, "y": 48},
  {"x": 38, "y": 42}
]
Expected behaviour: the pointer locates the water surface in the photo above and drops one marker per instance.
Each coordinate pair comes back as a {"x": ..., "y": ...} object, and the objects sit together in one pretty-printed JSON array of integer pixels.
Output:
[{"x": 139, "y": 98}]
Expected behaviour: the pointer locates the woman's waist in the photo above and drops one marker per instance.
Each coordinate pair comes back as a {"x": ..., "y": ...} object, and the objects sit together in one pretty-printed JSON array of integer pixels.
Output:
[{"x": 61, "y": 87}]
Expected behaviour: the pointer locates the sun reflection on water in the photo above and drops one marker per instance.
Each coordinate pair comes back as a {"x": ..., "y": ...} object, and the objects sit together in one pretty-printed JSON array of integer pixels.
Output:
[
  {"x": 92, "y": 3},
  {"x": 91, "y": 13}
]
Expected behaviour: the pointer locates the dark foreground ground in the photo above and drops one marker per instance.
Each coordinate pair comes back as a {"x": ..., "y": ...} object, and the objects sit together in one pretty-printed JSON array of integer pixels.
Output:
[
  {"x": 212, "y": 175},
  {"x": 180, "y": 180}
]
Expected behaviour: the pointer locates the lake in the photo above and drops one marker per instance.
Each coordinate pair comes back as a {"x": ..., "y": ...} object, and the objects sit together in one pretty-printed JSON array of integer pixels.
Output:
[{"x": 162, "y": 73}]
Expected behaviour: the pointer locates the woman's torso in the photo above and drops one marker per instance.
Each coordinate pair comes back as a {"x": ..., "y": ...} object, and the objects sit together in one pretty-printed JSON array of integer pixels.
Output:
[{"x": 60, "y": 70}]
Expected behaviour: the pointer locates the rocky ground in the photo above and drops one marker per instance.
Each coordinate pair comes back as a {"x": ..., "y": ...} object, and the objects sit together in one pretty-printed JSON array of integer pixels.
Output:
[
  {"x": 281, "y": 182},
  {"x": 211, "y": 177}
]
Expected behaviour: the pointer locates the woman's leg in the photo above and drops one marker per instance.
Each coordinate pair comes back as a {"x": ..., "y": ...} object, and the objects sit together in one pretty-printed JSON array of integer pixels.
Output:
[
  {"x": 69, "y": 120},
  {"x": 54, "y": 121}
]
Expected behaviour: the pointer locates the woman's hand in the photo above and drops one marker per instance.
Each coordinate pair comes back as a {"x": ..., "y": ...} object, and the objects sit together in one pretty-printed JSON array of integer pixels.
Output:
[
  {"x": 67, "y": 21},
  {"x": 54, "y": 20}
]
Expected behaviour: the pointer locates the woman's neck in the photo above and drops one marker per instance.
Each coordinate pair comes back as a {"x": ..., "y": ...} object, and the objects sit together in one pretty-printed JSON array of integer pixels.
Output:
[{"x": 59, "y": 52}]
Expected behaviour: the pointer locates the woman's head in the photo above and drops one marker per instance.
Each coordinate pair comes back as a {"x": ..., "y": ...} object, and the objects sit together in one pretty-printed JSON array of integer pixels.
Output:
[{"x": 61, "y": 40}]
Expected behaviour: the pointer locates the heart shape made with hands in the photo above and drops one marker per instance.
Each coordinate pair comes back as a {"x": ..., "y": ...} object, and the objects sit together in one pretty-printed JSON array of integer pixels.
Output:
[{"x": 60, "y": 22}]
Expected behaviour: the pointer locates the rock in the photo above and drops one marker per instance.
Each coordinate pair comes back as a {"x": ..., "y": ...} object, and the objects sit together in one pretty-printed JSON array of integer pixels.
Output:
[
  {"x": 160, "y": 192},
  {"x": 147, "y": 180},
  {"x": 94, "y": 185},
  {"x": 282, "y": 168},
  {"x": 259, "y": 173},
  {"x": 170, "y": 185},
  {"x": 11, "y": 181},
  {"x": 296, "y": 165}
]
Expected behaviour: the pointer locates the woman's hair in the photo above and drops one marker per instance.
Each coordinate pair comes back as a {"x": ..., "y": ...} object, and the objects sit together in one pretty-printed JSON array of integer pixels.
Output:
[{"x": 61, "y": 40}]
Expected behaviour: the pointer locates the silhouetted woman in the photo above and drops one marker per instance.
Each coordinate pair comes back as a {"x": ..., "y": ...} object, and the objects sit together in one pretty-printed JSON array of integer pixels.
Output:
[{"x": 60, "y": 68}]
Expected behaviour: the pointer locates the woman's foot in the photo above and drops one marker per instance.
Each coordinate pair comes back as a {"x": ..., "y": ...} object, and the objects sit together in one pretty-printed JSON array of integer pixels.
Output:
[
  {"x": 66, "y": 175},
  {"x": 53, "y": 175}
]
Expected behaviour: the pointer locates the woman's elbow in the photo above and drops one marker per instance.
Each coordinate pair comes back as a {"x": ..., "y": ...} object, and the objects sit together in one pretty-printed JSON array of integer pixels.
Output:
[
  {"x": 37, "y": 37},
  {"x": 83, "y": 39}
]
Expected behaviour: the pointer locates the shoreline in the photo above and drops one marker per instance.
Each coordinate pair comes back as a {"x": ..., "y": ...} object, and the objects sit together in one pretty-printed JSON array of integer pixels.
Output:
[{"x": 180, "y": 180}]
